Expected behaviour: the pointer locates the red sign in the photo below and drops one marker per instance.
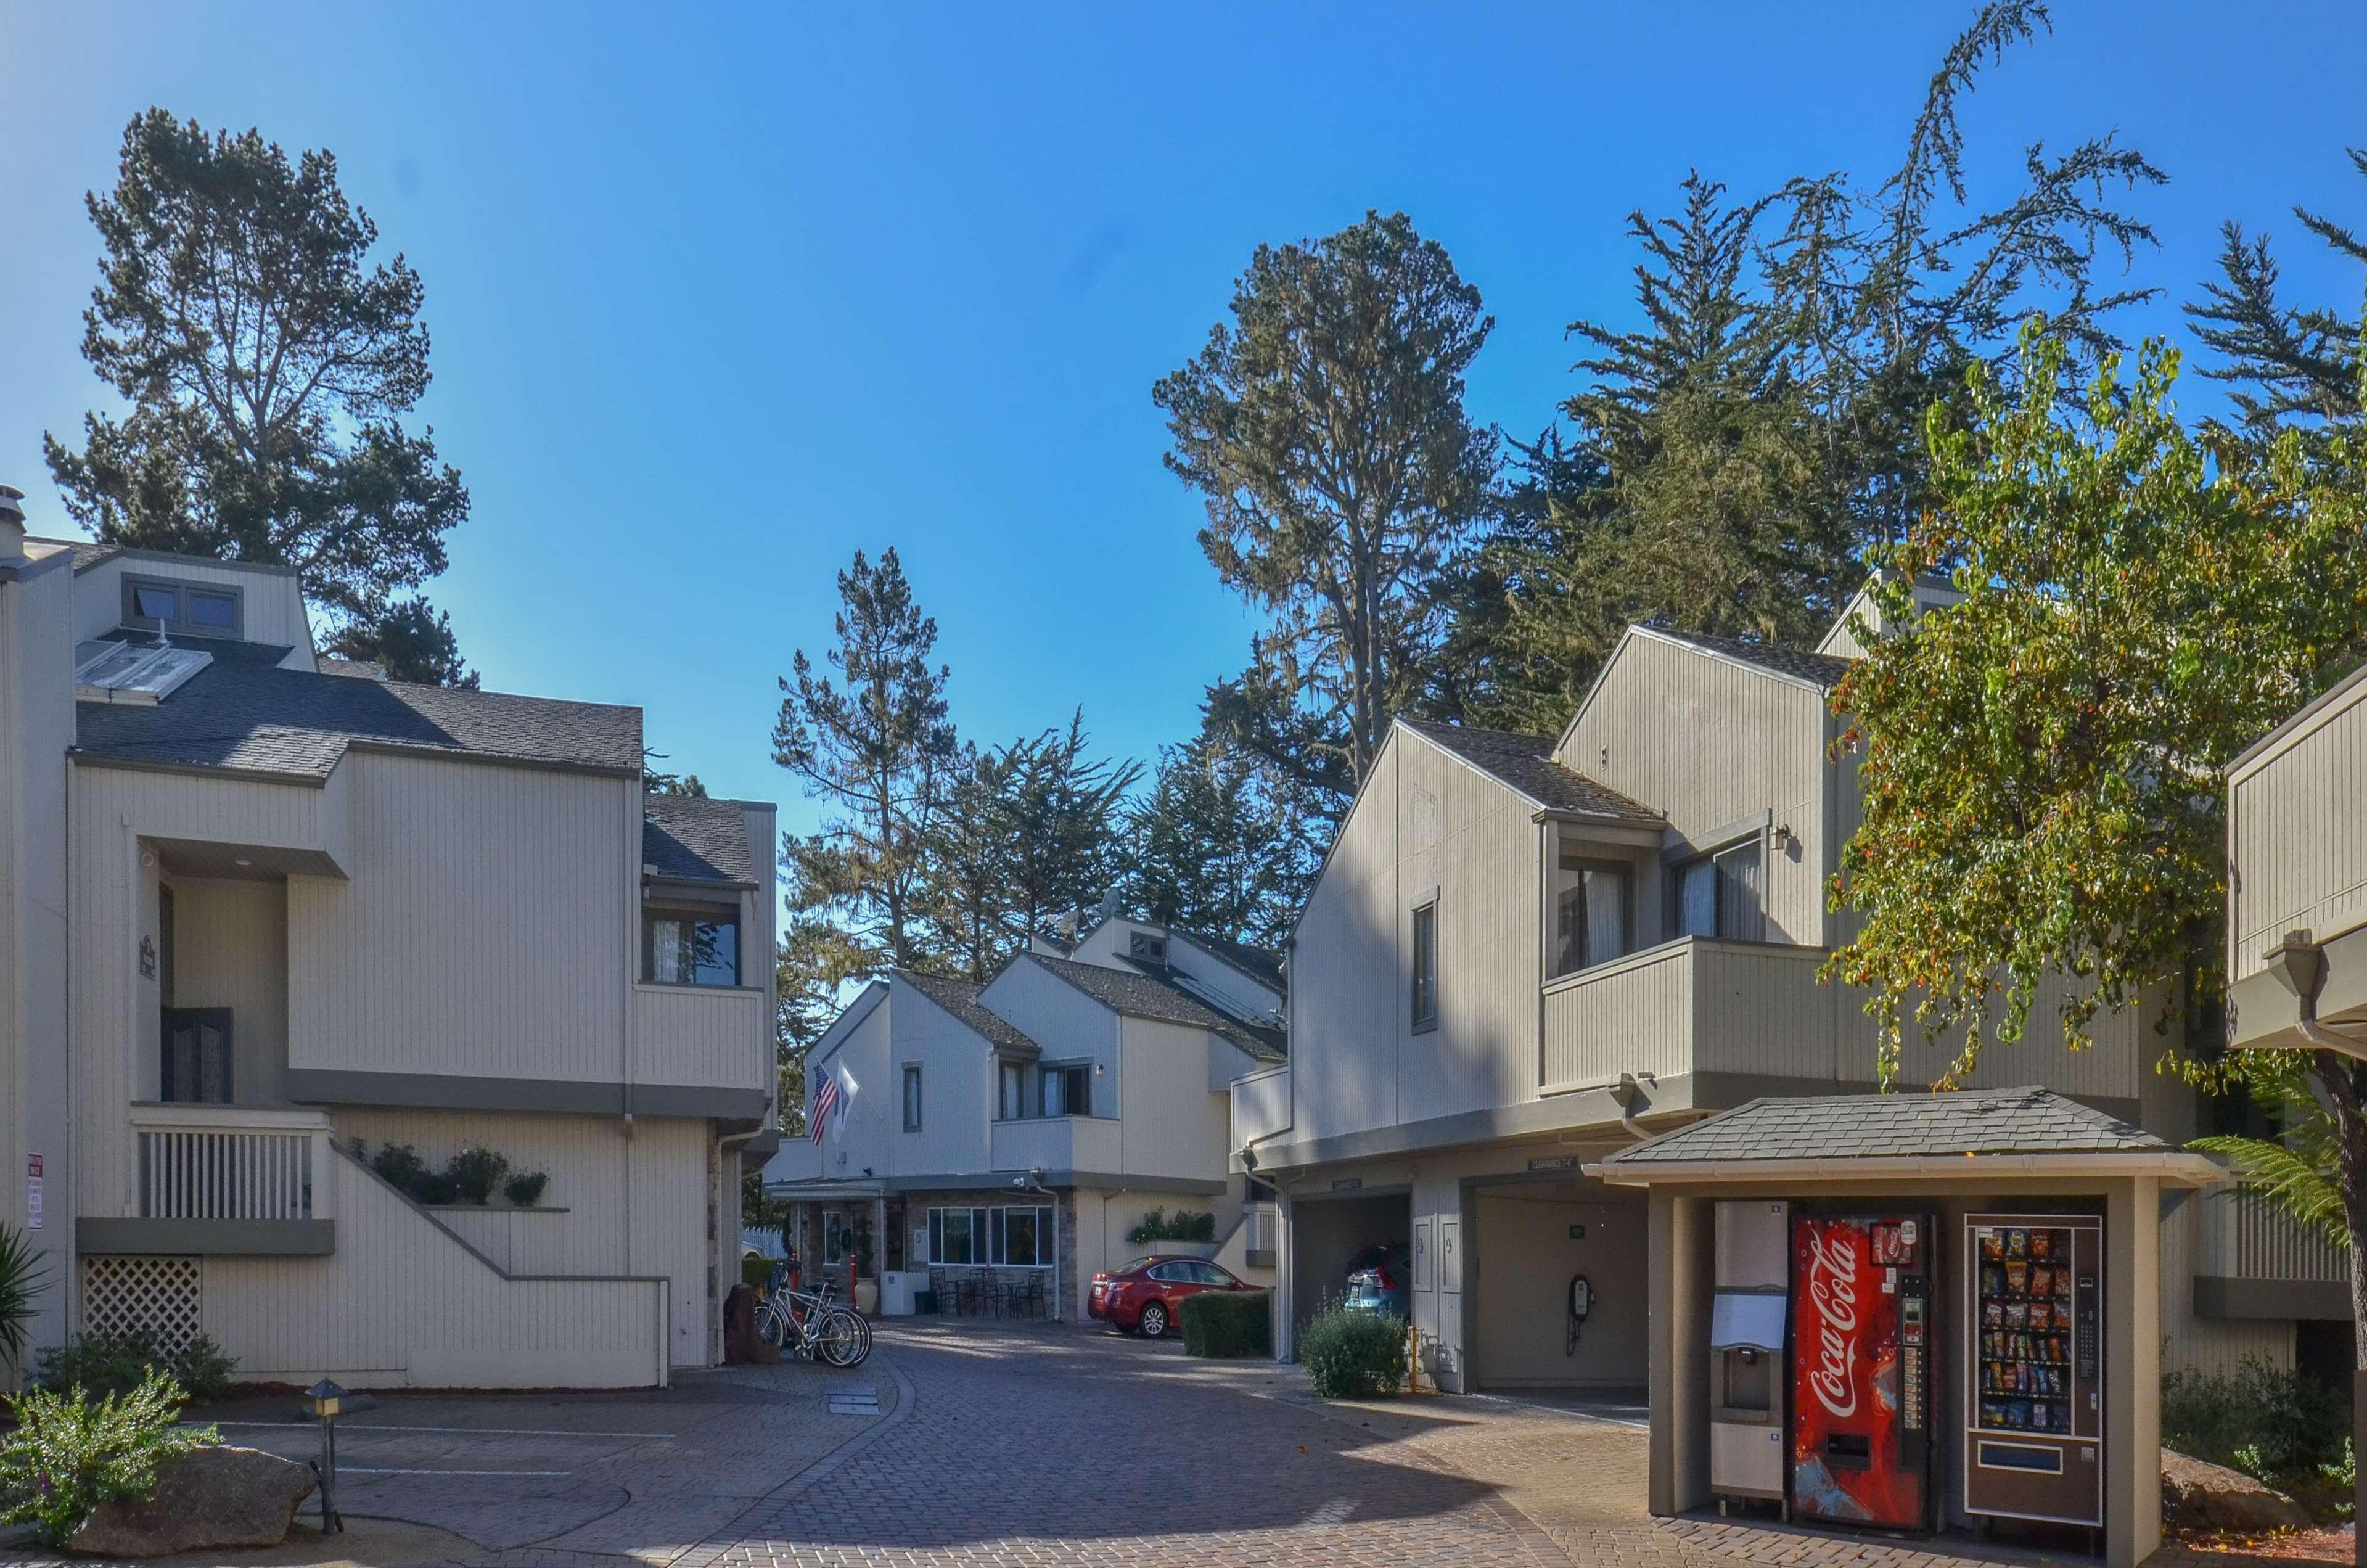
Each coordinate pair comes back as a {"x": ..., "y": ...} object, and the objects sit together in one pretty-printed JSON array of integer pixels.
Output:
[{"x": 1847, "y": 1457}]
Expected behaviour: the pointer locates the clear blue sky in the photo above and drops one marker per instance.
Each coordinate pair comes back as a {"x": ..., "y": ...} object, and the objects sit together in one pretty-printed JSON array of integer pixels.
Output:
[{"x": 718, "y": 301}]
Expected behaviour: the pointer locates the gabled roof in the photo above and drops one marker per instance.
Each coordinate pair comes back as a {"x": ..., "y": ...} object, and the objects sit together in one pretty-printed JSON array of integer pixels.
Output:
[
  {"x": 254, "y": 717},
  {"x": 1141, "y": 996},
  {"x": 1823, "y": 671},
  {"x": 2029, "y": 1120},
  {"x": 960, "y": 997},
  {"x": 1525, "y": 765},
  {"x": 692, "y": 839}
]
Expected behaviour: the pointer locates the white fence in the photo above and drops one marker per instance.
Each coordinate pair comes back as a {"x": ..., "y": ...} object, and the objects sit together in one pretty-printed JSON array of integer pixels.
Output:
[{"x": 210, "y": 1162}]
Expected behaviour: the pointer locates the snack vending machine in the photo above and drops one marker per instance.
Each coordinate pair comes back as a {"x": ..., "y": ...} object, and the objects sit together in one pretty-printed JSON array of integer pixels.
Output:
[
  {"x": 2034, "y": 1400},
  {"x": 1861, "y": 1369}
]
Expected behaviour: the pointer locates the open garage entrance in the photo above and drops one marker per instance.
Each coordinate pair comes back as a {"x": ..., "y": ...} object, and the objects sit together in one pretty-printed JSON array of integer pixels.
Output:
[
  {"x": 1327, "y": 1231},
  {"x": 1530, "y": 1240}
]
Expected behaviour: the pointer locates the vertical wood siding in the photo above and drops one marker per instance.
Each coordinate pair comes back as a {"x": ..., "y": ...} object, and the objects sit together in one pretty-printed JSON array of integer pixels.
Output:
[
  {"x": 231, "y": 950},
  {"x": 402, "y": 1300},
  {"x": 1346, "y": 1011},
  {"x": 1170, "y": 1125},
  {"x": 272, "y": 604},
  {"x": 635, "y": 1205},
  {"x": 1710, "y": 742},
  {"x": 701, "y": 1035},
  {"x": 485, "y": 930},
  {"x": 2301, "y": 861}
]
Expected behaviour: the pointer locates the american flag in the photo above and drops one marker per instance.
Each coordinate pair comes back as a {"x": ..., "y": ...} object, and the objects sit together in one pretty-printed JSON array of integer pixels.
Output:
[{"x": 825, "y": 1100}]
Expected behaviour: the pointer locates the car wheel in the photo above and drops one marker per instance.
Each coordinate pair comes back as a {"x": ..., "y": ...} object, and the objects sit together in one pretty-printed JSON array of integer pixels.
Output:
[{"x": 1153, "y": 1322}]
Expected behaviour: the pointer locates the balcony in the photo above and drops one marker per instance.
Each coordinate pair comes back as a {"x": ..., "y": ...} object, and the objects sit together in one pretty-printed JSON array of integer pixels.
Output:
[
  {"x": 702, "y": 1036},
  {"x": 1702, "y": 1005},
  {"x": 224, "y": 1180},
  {"x": 1055, "y": 1143},
  {"x": 2256, "y": 1262}
]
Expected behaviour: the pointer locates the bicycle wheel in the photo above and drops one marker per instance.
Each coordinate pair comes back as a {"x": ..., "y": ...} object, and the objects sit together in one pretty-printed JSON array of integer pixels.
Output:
[
  {"x": 840, "y": 1340},
  {"x": 771, "y": 1327}
]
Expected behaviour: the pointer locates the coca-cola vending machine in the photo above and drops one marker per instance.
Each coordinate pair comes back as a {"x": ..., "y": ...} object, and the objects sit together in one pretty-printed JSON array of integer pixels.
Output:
[{"x": 1862, "y": 1348}]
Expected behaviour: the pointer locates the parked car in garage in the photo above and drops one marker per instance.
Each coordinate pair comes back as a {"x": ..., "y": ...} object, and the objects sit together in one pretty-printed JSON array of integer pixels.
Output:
[
  {"x": 1379, "y": 1278},
  {"x": 1140, "y": 1297}
]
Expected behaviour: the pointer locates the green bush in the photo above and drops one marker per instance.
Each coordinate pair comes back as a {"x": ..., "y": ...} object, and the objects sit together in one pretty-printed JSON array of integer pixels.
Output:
[
  {"x": 1226, "y": 1322},
  {"x": 1353, "y": 1354},
  {"x": 400, "y": 1164},
  {"x": 23, "y": 1276},
  {"x": 525, "y": 1188},
  {"x": 1156, "y": 1226},
  {"x": 2262, "y": 1420},
  {"x": 69, "y": 1456},
  {"x": 474, "y": 1173},
  {"x": 755, "y": 1271},
  {"x": 118, "y": 1363}
]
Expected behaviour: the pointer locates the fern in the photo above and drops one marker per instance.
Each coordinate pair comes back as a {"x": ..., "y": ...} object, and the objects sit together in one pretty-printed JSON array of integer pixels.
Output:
[{"x": 2300, "y": 1181}]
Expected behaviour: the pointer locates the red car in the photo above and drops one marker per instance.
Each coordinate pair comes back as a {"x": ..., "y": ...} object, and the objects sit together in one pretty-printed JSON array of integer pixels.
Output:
[{"x": 1140, "y": 1297}]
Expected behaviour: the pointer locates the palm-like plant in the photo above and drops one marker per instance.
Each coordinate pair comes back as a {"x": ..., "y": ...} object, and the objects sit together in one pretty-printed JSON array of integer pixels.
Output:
[
  {"x": 23, "y": 1276},
  {"x": 2300, "y": 1179}
]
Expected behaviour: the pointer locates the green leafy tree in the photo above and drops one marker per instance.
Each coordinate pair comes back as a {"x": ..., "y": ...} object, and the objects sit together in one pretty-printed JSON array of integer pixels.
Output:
[
  {"x": 873, "y": 743},
  {"x": 1324, "y": 429},
  {"x": 411, "y": 641},
  {"x": 1224, "y": 844},
  {"x": 268, "y": 364},
  {"x": 2042, "y": 761}
]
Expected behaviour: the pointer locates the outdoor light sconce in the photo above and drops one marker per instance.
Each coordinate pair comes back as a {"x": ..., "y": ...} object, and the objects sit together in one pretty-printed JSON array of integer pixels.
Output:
[{"x": 2299, "y": 964}]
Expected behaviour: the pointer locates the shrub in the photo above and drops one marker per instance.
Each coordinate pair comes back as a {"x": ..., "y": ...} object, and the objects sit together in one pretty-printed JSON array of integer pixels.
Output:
[
  {"x": 474, "y": 1173},
  {"x": 69, "y": 1456},
  {"x": 22, "y": 1278},
  {"x": 2264, "y": 1421},
  {"x": 755, "y": 1271},
  {"x": 401, "y": 1166},
  {"x": 1156, "y": 1226},
  {"x": 1353, "y": 1354},
  {"x": 525, "y": 1188},
  {"x": 1228, "y": 1323},
  {"x": 118, "y": 1363}
]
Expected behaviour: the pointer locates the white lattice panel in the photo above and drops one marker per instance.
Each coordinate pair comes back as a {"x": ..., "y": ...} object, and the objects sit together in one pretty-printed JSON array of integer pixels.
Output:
[{"x": 125, "y": 1295}]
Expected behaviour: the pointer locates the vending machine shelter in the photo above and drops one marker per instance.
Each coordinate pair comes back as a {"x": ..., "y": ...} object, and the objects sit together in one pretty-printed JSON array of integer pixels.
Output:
[
  {"x": 2034, "y": 1366},
  {"x": 1861, "y": 1369}
]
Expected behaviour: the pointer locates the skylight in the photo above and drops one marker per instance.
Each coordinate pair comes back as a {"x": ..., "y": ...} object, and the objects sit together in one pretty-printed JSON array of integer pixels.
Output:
[{"x": 123, "y": 672}]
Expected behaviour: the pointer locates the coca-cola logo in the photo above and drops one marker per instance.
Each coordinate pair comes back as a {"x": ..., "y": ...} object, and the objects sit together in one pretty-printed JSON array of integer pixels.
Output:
[{"x": 1832, "y": 1291}]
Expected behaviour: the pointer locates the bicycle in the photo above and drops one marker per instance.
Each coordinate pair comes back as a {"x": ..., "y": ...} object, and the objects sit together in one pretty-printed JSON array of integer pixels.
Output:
[{"x": 822, "y": 1331}]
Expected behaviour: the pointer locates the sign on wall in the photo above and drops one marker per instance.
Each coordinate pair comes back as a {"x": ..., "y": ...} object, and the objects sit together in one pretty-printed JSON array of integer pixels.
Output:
[{"x": 35, "y": 1196}]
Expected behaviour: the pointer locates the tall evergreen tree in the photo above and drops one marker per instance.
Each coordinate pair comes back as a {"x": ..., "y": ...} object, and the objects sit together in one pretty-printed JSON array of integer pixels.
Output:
[
  {"x": 966, "y": 892},
  {"x": 1324, "y": 429},
  {"x": 874, "y": 744},
  {"x": 268, "y": 363},
  {"x": 1223, "y": 845},
  {"x": 409, "y": 641}
]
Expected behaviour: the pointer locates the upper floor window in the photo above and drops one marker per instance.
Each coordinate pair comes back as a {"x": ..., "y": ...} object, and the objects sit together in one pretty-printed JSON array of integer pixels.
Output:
[
  {"x": 186, "y": 608},
  {"x": 911, "y": 1096},
  {"x": 690, "y": 947},
  {"x": 1010, "y": 1102},
  {"x": 1722, "y": 894},
  {"x": 1425, "y": 965},
  {"x": 1590, "y": 913},
  {"x": 1067, "y": 1090}
]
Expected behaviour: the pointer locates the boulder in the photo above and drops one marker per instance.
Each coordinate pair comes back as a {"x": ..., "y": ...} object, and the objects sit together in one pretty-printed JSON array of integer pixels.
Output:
[
  {"x": 2196, "y": 1495},
  {"x": 206, "y": 1498}
]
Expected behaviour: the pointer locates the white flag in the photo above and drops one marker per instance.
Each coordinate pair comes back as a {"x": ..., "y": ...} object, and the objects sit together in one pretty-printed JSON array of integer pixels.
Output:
[{"x": 846, "y": 1092}]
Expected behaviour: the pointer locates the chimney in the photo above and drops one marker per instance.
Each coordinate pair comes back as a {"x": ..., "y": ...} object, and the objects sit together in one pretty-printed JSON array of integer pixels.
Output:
[{"x": 12, "y": 525}]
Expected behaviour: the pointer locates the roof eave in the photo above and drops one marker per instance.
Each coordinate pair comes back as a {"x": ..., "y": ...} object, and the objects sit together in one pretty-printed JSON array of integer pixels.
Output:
[{"x": 2181, "y": 1166}]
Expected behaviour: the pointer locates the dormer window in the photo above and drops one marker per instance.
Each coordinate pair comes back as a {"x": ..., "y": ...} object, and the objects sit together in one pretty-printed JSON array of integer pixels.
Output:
[
  {"x": 1148, "y": 948},
  {"x": 185, "y": 609}
]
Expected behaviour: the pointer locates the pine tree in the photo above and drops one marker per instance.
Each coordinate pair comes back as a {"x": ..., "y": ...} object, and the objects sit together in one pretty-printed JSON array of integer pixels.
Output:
[
  {"x": 874, "y": 744},
  {"x": 1325, "y": 431},
  {"x": 409, "y": 641},
  {"x": 2290, "y": 364},
  {"x": 1224, "y": 845},
  {"x": 269, "y": 364}
]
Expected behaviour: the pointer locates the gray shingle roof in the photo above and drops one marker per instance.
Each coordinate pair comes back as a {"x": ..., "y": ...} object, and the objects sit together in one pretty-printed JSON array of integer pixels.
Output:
[
  {"x": 1819, "y": 669},
  {"x": 1147, "y": 996},
  {"x": 1526, "y": 764},
  {"x": 2031, "y": 1121},
  {"x": 87, "y": 554},
  {"x": 960, "y": 997},
  {"x": 694, "y": 838},
  {"x": 250, "y": 716}
]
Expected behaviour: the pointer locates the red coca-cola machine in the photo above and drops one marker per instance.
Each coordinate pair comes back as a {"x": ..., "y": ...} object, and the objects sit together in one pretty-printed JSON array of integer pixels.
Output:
[{"x": 1861, "y": 1346}]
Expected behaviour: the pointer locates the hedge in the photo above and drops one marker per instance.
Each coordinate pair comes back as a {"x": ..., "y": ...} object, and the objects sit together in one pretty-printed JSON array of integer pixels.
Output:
[{"x": 1228, "y": 1323}]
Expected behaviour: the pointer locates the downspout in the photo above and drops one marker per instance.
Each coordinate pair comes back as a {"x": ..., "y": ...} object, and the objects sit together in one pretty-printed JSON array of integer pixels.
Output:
[
  {"x": 1624, "y": 1094},
  {"x": 2299, "y": 963}
]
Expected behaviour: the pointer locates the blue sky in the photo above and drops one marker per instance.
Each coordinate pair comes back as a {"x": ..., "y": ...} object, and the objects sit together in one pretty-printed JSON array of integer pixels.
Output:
[{"x": 719, "y": 299}]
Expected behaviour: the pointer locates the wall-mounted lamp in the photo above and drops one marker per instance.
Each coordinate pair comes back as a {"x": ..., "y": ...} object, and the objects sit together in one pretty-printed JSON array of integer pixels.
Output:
[{"x": 1784, "y": 839}]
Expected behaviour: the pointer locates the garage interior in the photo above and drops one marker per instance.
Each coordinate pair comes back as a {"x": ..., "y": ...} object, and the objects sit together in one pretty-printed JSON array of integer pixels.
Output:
[
  {"x": 1327, "y": 1231},
  {"x": 1530, "y": 1240}
]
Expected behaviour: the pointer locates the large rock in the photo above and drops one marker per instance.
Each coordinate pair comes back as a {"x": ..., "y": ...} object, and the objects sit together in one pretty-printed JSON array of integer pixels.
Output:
[
  {"x": 205, "y": 1498},
  {"x": 2200, "y": 1497}
]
